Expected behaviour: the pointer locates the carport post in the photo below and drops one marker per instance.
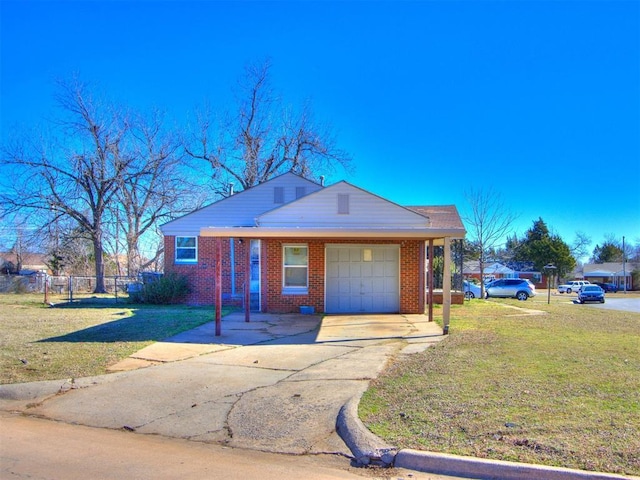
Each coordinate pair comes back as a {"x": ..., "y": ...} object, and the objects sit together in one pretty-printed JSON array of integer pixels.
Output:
[
  {"x": 446, "y": 286},
  {"x": 247, "y": 281},
  {"x": 430, "y": 274},
  {"x": 218, "y": 286}
]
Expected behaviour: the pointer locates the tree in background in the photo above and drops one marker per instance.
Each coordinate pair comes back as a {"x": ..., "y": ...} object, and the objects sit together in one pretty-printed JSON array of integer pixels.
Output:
[
  {"x": 262, "y": 138},
  {"x": 488, "y": 222},
  {"x": 608, "y": 252},
  {"x": 77, "y": 174},
  {"x": 152, "y": 190},
  {"x": 542, "y": 247},
  {"x": 579, "y": 248}
]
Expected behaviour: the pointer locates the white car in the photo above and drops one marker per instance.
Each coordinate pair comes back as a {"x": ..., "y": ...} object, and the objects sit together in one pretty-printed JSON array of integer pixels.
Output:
[
  {"x": 471, "y": 290},
  {"x": 572, "y": 286}
]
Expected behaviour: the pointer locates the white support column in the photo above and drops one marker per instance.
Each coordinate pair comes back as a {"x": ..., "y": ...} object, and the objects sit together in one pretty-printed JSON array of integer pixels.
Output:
[{"x": 446, "y": 285}]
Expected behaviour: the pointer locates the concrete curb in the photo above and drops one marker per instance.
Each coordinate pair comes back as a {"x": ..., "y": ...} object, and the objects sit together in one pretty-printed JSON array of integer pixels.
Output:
[
  {"x": 455, "y": 465},
  {"x": 368, "y": 449}
]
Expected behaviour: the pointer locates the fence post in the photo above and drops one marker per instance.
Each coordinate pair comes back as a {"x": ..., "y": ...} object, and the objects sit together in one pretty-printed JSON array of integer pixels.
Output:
[
  {"x": 115, "y": 287},
  {"x": 70, "y": 289}
]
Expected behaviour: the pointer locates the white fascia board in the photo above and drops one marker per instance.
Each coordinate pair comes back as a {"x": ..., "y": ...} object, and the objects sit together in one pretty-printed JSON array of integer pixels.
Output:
[{"x": 282, "y": 232}]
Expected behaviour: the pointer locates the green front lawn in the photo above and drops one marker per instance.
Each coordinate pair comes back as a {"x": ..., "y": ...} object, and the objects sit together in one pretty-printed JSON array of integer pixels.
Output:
[
  {"x": 42, "y": 343},
  {"x": 561, "y": 388}
]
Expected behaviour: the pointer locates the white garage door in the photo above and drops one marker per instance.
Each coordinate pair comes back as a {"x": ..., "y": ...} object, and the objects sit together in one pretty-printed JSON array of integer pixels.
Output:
[{"x": 362, "y": 279}]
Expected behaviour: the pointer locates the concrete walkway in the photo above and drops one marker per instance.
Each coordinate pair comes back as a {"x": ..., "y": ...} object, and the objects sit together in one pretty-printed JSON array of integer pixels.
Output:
[{"x": 275, "y": 384}]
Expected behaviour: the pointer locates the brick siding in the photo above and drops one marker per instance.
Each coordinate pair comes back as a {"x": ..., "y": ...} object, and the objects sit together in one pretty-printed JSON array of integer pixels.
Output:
[{"x": 202, "y": 274}]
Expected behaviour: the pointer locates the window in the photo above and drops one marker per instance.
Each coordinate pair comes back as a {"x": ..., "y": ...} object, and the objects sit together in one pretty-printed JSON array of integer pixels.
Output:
[
  {"x": 186, "y": 249},
  {"x": 295, "y": 261},
  {"x": 300, "y": 192}
]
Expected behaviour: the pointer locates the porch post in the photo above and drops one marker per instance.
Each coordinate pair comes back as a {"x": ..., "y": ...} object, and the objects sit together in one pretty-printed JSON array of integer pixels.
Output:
[
  {"x": 423, "y": 273},
  {"x": 446, "y": 285},
  {"x": 247, "y": 281},
  {"x": 218, "y": 286},
  {"x": 430, "y": 294}
]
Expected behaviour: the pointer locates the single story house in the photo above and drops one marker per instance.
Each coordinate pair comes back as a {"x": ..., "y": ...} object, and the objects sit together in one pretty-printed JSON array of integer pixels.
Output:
[
  {"x": 491, "y": 271},
  {"x": 611, "y": 272},
  {"x": 290, "y": 242},
  {"x": 494, "y": 270}
]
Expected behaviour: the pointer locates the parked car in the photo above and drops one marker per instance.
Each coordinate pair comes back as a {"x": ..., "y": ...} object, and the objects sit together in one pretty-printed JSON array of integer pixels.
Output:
[
  {"x": 591, "y": 293},
  {"x": 520, "y": 288},
  {"x": 572, "y": 286},
  {"x": 607, "y": 287},
  {"x": 471, "y": 290}
]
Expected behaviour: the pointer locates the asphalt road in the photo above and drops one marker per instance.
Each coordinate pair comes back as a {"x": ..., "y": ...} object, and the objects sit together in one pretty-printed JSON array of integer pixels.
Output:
[
  {"x": 623, "y": 304},
  {"x": 44, "y": 449}
]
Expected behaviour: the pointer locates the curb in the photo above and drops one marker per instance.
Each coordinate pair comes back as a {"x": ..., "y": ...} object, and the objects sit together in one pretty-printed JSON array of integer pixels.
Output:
[
  {"x": 471, "y": 467},
  {"x": 368, "y": 449}
]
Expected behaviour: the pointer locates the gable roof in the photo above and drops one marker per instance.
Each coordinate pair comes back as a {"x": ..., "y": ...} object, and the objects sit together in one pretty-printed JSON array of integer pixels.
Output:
[
  {"x": 242, "y": 208},
  {"x": 363, "y": 209},
  {"x": 308, "y": 209}
]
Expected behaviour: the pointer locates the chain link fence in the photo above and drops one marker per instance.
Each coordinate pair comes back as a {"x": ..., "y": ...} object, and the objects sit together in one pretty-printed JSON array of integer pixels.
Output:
[{"x": 68, "y": 288}]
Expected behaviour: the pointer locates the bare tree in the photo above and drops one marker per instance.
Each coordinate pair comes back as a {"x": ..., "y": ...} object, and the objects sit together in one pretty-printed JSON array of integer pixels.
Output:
[
  {"x": 579, "y": 248},
  {"x": 488, "y": 222},
  {"x": 78, "y": 174},
  {"x": 263, "y": 139},
  {"x": 153, "y": 190}
]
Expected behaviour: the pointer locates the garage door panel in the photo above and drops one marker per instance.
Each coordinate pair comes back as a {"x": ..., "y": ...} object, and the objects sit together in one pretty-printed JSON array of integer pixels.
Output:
[
  {"x": 344, "y": 255},
  {"x": 390, "y": 269},
  {"x": 355, "y": 271}
]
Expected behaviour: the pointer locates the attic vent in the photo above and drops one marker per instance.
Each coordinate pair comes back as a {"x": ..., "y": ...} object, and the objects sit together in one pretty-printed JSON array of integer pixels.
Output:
[
  {"x": 278, "y": 194},
  {"x": 300, "y": 192},
  {"x": 343, "y": 203}
]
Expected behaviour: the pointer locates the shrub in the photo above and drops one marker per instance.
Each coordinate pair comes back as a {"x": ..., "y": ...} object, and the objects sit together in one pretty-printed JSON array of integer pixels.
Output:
[{"x": 168, "y": 289}]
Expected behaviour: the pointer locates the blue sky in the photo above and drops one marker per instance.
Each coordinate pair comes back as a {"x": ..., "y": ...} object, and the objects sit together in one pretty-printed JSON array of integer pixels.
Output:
[{"x": 539, "y": 100}]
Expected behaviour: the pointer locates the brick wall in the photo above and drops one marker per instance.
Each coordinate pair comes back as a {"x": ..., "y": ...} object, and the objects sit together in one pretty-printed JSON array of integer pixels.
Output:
[{"x": 202, "y": 275}]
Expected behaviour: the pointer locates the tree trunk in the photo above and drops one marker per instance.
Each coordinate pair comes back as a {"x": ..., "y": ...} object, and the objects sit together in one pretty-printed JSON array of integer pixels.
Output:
[{"x": 98, "y": 254}]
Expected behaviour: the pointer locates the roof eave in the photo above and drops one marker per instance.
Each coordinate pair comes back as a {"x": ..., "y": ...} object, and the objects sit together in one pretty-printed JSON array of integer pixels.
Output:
[{"x": 284, "y": 232}]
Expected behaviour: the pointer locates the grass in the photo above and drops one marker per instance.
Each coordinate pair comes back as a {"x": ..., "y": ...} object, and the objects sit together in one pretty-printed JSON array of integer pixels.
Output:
[
  {"x": 83, "y": 339},
  {"x": 560, "y": 389}
]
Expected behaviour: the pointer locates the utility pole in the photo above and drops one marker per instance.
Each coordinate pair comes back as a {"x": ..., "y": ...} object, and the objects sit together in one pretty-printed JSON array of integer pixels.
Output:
[{"x": 624, "y": 266}]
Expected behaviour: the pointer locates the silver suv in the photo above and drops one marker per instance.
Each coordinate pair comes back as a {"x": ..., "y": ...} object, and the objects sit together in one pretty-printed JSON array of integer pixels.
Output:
[{"x": 520, "y": 288}]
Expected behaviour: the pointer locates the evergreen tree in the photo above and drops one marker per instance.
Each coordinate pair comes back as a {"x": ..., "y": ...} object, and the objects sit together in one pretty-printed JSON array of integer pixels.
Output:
[{"x": 541, "y": 247}]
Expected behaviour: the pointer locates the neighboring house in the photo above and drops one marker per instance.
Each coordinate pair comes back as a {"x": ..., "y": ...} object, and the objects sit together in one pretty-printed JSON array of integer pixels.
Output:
[
  {"x": 495, "y": 270},
  {"x": 528, "y": 271},
  {"x": 491, "y": 271},
  {"x": 611, "y": 272},
  {"x": 295, "y": 243},
  {"x": 31, "y": 263}
]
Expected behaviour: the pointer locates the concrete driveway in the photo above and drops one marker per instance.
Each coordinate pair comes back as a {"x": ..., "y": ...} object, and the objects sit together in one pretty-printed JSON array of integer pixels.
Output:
[{"x": 275, "y": 384}]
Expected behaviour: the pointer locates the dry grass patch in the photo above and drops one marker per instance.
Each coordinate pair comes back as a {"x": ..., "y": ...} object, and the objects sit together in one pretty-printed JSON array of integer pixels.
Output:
[
  {"x": 43, "y": 343},
  {"x": 561, "y": 388}
]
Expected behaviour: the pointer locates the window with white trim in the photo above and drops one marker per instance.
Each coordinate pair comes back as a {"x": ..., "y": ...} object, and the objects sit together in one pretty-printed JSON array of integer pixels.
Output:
[
  {"x": 186, "y": 249},
  {"x": 295, "y": 268}
]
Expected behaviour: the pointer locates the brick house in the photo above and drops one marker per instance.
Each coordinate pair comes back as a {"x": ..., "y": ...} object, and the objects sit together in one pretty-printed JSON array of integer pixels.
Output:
[{"x": 290, "y": 242}]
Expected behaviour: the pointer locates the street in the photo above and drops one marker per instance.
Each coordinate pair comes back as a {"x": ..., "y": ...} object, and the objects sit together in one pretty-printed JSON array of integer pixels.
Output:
[{"x": 44, "y": 449}]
